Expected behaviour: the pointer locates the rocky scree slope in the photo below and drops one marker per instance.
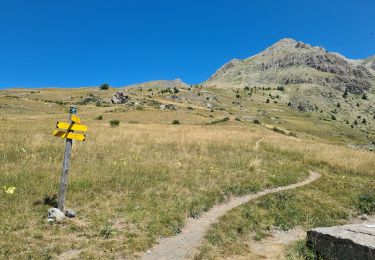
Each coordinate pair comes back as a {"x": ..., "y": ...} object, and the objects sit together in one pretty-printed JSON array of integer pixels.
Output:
[{"x": 291, "y": 62}]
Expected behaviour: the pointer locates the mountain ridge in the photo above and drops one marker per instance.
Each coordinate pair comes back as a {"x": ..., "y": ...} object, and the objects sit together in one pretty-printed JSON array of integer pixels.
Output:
[{"x": 293, "y": 62}]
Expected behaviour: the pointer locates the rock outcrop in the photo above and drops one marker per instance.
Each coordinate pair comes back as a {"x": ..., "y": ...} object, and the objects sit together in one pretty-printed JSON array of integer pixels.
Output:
[
  {"x": 343, "y": 242},
  {"x": 120, "y": 98}
]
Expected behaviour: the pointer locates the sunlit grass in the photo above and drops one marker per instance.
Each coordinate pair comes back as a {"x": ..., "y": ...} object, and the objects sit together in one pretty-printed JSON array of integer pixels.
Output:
[{"x": 134, "y": 183}]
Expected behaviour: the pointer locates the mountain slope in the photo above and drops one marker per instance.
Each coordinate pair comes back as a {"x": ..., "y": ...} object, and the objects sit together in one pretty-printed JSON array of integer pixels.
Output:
[
  {"x": 176, "y": 83},
  {"x": 369, "y": 62},
  {"x": 289, "y": 62}
]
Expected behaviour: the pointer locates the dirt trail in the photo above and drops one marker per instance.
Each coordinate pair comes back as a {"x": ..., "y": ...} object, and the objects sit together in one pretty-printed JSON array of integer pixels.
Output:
[
  {"x": 272, "y": 247},
  {"x": 257, "y": 143},
  {"x": 185, "y": 244}
]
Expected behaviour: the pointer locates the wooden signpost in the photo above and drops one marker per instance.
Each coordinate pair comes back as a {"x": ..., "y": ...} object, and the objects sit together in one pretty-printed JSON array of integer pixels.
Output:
[{"x": 73, "y": 125}]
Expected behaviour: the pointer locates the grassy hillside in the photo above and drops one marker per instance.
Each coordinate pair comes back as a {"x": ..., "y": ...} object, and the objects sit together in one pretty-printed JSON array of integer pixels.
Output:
[{"x": 136, "y": 182}]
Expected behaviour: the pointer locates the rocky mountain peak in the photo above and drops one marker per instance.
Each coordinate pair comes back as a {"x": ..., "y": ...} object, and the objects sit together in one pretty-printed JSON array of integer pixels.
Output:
[
  {"x": 284, "y": 43},
  {"x": 291, "y": 62}
]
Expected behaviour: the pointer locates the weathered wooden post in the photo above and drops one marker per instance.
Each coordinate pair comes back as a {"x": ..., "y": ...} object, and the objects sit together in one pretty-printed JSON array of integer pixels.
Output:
[
  {"x": 65, "y": 168},
  {"x": 72, "y": 125}
]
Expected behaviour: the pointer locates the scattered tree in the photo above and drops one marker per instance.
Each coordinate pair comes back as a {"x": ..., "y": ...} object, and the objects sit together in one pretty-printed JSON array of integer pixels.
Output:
[{"x": 104, "y": 86}]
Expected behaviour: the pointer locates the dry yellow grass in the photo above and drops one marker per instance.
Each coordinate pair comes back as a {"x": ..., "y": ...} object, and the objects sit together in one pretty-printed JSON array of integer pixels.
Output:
[{"x": 133, "y": 183}]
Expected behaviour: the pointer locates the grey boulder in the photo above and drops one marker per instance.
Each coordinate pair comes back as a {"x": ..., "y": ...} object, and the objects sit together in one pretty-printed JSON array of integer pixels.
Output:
[{"x": 54, "y": 214}]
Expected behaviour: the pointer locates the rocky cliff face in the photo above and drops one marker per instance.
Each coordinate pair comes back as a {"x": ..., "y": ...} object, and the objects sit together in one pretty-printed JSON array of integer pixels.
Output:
[{"x": 290, "y": 62}]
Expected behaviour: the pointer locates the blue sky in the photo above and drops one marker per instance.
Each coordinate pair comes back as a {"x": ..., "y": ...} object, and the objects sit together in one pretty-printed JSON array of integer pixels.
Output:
[{"x": 71, "y": 43}]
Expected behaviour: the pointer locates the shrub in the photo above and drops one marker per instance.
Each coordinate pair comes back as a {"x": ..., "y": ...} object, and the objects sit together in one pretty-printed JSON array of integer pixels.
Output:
[
  {"x": 278, "y": 130},
  {"x": 333, "y": 117},
  {"x": 238, "y": 96},
  {"x": 345, "y": 95},
  {"x": 364, "y": 121},
  {"x": 256, "y": 121},
  {"x": 106, "y": 231},
  {"x": 114, "y": 122},
  {"x": 175, "y": 122},
  {"x": 366, "y": 203},
  {"x": 99, "y": 117},
  {"x": 267, "y": 101},
  {"x": 225, "y": 119},
  {"x": 104, "y": 86},
  {"x": 364, "y": 96},
  {"x": 281, "y": 88}
]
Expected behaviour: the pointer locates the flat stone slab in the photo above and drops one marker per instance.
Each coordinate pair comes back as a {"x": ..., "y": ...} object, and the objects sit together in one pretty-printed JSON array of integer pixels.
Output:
[{"x": 343, "y": 242}]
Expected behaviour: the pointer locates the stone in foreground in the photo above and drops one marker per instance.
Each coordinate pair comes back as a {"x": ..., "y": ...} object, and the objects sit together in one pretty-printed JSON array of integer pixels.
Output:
[
  {"x": 70, "y": 213},
  {"x": 343, "y": 242},
  {"x": 54, "y": 214}
]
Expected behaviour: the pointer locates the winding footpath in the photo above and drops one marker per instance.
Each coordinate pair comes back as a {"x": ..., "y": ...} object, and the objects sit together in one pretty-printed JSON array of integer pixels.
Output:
[{"x": 185, "y": 244}]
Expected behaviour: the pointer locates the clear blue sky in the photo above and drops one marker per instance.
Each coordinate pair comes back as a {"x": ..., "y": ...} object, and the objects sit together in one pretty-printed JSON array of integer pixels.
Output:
[{"x": 71, "y": 43}]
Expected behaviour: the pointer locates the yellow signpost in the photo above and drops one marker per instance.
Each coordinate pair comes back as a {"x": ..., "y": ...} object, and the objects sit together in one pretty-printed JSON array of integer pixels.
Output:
[
  {"x": 73, "y": 125},
  {"x": 76, "y": 119},
  {"x": 69, "y": 135}
]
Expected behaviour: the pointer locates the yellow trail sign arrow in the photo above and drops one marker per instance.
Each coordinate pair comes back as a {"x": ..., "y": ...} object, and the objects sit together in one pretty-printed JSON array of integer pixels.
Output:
[
  {"x": 75, "y": 119},
  {"x": 69, "y": 135},
  {"x": 73, "y": 127}
]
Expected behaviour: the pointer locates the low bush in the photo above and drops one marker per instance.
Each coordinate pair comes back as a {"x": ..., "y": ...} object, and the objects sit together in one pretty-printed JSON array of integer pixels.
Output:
[
  {"x": 366, "y": 203},
  {"x": 225, "y": 119},
  {"x": 114, "y": 122}
]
